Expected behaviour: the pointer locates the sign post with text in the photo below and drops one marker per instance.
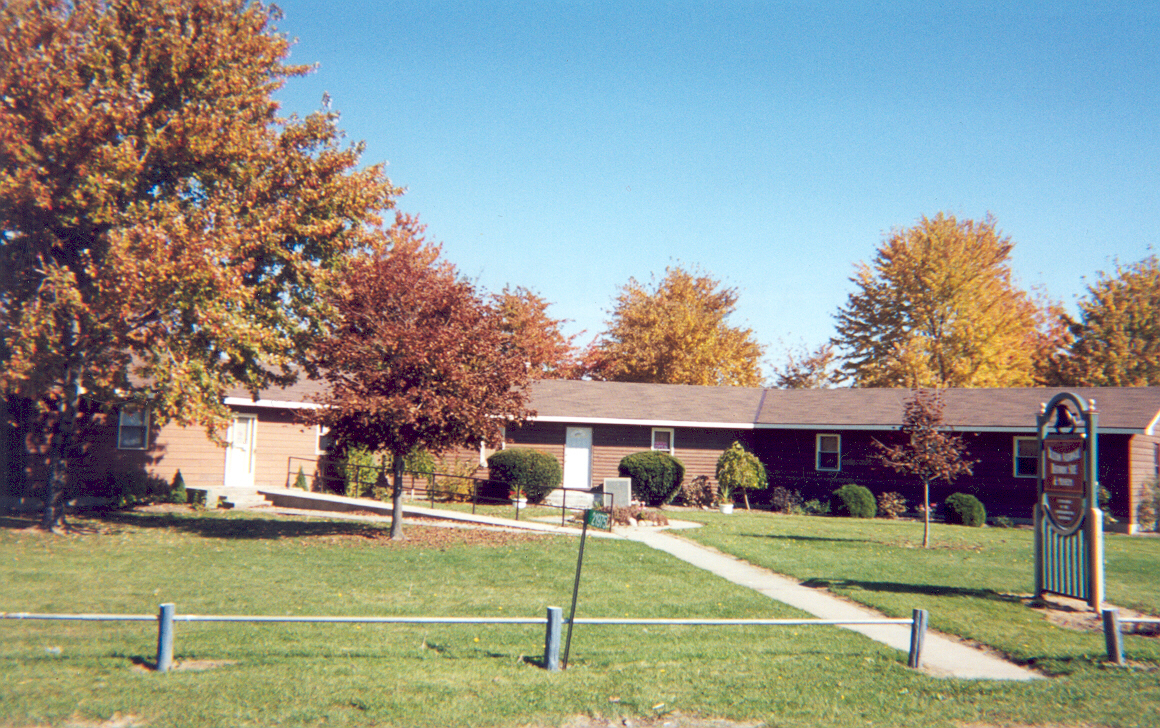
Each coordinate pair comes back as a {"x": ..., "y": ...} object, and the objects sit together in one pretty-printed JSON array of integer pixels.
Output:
[{"x": 1069, "y": 535}]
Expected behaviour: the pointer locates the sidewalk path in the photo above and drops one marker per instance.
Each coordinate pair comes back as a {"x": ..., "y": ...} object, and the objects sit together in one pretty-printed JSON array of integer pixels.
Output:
[{"x": 941, "y": 657}]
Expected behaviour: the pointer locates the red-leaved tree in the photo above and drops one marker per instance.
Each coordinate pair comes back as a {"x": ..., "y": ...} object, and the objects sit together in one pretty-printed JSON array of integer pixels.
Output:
[
  {"x": 417, "y": 358},
  {"x": 930, "y": 453}
]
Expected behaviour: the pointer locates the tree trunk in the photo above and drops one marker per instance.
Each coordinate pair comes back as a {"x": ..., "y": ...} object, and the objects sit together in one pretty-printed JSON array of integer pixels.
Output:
[
  {"x": 397, "y": 466},
  {"x": 745, "y": 493},
  {"x": 926, "y": 514},
  {"x": 64, "y": 429}
]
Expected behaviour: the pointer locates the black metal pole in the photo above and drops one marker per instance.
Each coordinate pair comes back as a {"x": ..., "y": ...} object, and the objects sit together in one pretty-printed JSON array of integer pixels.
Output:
[{"x": 575, "y": 592}]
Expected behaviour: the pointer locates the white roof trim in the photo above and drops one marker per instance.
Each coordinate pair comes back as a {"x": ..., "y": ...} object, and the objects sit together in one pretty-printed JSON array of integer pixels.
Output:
[
  {"x": 648, "y": 423},
  {"x": 829, "y": 427},
  {"x": 270, "y": 403},
  {"x": 1151, "y": 428}
]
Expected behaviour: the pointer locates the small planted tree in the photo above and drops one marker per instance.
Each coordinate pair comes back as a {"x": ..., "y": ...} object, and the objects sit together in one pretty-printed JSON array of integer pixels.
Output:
[
  {"x": 739, "y": 469},
  {"x": 930, "y": 453}
]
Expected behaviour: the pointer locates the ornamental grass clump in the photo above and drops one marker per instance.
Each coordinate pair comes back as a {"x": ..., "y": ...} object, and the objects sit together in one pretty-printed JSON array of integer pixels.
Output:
[
  {"x": 855, "y": 501},
  {"x": 656, "y": 476},
  {"x": 529, "y": 472},
  {"x": 965, "y": 509}
]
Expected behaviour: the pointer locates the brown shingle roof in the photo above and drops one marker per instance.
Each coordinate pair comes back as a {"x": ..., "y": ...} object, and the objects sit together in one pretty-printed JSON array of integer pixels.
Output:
[
  {"x": 1120, "y": 408},
  {"x": 556, "y": 399}
]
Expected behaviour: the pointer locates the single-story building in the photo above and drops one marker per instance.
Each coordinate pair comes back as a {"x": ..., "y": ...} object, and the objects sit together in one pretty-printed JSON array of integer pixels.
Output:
[{"x": 809, "y": 440}]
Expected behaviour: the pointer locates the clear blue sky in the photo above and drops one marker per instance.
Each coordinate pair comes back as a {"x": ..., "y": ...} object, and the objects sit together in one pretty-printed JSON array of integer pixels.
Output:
[{"x": 568, "y": 146}]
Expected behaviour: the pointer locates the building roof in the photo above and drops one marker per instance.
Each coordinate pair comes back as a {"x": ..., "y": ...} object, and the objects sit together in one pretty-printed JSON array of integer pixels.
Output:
[
  {"x": 558, "y": 400},
  {"x": 1121, "y": 409}
]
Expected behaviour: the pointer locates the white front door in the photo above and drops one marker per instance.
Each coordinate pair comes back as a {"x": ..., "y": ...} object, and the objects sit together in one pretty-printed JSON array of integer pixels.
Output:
[
  {"x": 578, "y": 458},
  {"x": 240, "y": 451}
]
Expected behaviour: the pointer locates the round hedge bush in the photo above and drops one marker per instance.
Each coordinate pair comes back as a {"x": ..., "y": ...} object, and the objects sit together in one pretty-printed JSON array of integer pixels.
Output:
[
  {"x": 534, "y": 473},
  {"x": 965, "y": 509},
  {"x": 656, "y": 476},
  {"x": 853, "y": 500}
]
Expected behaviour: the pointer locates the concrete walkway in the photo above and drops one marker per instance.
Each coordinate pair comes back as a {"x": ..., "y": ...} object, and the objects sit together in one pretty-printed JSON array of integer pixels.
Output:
[{"x": 941, "y": 657}]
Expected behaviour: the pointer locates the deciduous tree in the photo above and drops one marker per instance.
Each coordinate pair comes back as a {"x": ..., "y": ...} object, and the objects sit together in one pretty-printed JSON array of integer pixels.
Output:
[
  {"x": 1116, "y": 340},
  {"x": 676, "y": 332},
  {"x": 805, "y": 369},
  {"x": 417, "y": 359},
  {"x": 930, "y": 453},
  {"x": 524, "y": 316},
  {"x": 939, "y": 308},
  {"x": 164, "y": 235}
]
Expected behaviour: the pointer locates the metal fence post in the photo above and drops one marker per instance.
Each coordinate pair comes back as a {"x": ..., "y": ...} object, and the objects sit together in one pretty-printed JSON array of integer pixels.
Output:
[
  {"x": 552, "y": 639},
  {"x": 1112, "y": 636},
  {"x": 165, "y": 637},
  {"x": 917, "y": 636}
]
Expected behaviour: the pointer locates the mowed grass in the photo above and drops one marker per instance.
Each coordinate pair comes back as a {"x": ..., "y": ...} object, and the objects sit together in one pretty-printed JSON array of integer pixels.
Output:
[{"x": 52, "y": 673}]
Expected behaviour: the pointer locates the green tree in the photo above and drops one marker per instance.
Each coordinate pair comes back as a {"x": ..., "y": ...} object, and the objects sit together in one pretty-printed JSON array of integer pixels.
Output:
[
  {"x": 415, "y": 359},
  {"x": 164, "y": 235},
  {"x": 676, "y": 332},
  {"x": 931, "y": 453},
  {"x": 939, "y": 308},
  {"x": 1116, "y": 341},
  {"x": 739, "y": 469}
]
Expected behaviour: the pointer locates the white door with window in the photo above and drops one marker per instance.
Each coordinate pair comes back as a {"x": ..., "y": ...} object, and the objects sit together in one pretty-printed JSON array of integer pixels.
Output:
[
  {"x": 578, "y": 458},
  {"x": 240, "y": 451}
]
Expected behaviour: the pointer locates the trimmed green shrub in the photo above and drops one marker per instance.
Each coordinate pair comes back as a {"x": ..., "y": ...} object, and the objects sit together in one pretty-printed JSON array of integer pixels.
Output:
[
  {"x": 965, "y": 509},
  {"x": 855, "y": 501},
  {"x": 533, "y": 473},
  {"x": 177, "y": 492},
  {"x": 656, "y": 476}
]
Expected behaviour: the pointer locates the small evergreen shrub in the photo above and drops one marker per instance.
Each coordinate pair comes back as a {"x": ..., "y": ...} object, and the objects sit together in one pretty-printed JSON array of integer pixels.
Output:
[
  {"x": 656, "y": 476},
  {"x": 299, "y": 480},
  {"x": 533, "y": 473},
  {"x": 965, "y": 509},
  {"x": 1148, "y": 510},
  {"x": 177, "y": 492},
  {"x": 891, "y": 505},
  {"x": 815, "y": 507},
  {"x": 855, "y": 501}
]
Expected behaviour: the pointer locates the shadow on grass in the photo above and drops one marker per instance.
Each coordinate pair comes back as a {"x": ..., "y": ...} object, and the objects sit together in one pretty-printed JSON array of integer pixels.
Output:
[
  {"x": 894, "y": 587},
  {"x": 239, "y": 527},
  {"x": 807, "y": 539}
]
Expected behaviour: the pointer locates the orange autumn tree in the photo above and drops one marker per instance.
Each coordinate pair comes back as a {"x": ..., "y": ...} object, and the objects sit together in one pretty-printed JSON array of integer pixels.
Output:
[
  {"x": 547, "y": 352},
  {"x": 164, "y": 234},
  {"x": 416, "y": 359}
]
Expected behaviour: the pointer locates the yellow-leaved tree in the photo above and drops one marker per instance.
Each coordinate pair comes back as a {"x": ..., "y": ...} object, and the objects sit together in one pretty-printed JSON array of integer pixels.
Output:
[
  {"x": 676, "y": 332},
  {"x": 938, "y": 307}
]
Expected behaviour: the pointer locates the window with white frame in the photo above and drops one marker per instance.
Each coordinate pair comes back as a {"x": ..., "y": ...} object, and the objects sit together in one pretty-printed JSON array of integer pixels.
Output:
[
  {"x": 133, "y": 428},
  {"x": 1026, "y": 457},
  {"x": 662, "y": 439},
  {"x": 323, "y": 440},
  {"x": 828, "y": 452}
]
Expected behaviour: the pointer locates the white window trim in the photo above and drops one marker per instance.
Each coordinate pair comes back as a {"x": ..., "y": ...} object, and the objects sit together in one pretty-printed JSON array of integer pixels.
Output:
[
  {"x": 121, "y": 426},
  {"x": 652, "y": 443},
  {"x": 818, "y": 452},
  {"x": 1015, "y": 457},
  {"x": 320, "y": 431}
]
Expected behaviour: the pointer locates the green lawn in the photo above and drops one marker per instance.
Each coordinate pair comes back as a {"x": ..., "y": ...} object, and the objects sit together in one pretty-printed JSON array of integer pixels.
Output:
[{"x": 311, "y": 675}]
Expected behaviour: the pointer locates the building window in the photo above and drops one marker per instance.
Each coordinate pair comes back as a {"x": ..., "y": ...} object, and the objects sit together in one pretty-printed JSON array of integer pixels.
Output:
[
  {"x": 132, "y": 429},
  {"x": 662, "y": 439},
  {"x": 829, "y": 452},
  {"x": 323, "y": 440},
  {"x": 1026, "y": 457}
]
